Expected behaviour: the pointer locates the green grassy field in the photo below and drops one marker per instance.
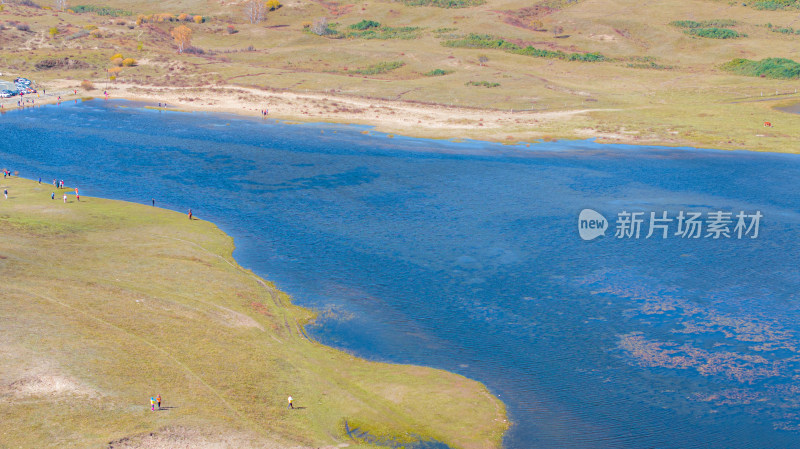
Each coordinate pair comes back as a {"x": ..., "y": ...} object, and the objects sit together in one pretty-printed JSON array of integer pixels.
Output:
[
  {"x": 105, "y": 304},
  {"x": 657, "y": 83}
]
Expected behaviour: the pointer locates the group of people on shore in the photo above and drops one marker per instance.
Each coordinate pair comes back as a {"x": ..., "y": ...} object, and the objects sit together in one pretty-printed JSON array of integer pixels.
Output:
[{"x": 154, "y": 401}]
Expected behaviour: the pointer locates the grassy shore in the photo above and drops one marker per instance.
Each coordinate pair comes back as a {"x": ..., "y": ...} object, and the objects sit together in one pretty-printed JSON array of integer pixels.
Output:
[
  {"x": 655, "y": 83},
  {"x": 105, "y": 304}
]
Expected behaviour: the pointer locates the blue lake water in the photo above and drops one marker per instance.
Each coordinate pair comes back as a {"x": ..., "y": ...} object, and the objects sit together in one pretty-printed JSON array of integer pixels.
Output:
[{"x": 466, "y": 257}]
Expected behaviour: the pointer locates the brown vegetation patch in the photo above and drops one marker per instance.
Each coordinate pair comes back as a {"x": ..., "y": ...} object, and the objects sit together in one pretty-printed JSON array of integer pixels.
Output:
[
  {"x": 44, "y": 385},
  {"x": 63, "y": 64},
  {"x": 335, "y": 8},
  {"x": 526, "y": 17},
  {"x": 192, "y": 438},
  {"x": 260, "y": 308}
]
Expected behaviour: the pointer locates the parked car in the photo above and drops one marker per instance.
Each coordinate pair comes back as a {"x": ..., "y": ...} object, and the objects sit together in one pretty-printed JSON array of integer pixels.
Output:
[{"x": 7, "y": 93}]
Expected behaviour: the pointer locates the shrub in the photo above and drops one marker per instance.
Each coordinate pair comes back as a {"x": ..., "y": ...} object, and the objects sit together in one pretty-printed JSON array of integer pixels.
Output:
[
  {"x": 198, "y": 19},
  {"x": 139, "y": 46},
  {"x": 487, "y": 41},
  {"x": 320, "y": 27},
  {"x": 117, "y": 61},
  {"x": 64, "y": 63},
  {"x": 385, "y": 33},
  {"x": 774, "y": 5},
  {"x": 164, "y": 17},
  {"x": 272, "y": 5},
  {"x": 194, "y": 50},
  {"x": 779, "y": 68},
  {"x": 715, "y": 33},
  {"x": 438, "y": 72},
  {"x": 52, "y": 31},
  {"x": 23, "y": 27},
  {"x": 29, "y": 3},
  {"x": 77, "y": 35},
  {"x": 306, "y": 25},
  {"x": 716, "y": 23},
  {"x": 786, "y": 30},
  {"x": 100, "y": 10},
  {"x": 381, "y": 67},
  {"x": 482, "y": 84},
  {"x": 96, "y": 33},
  {"x": 183, "y": 17},
  {"x": 365, "y": 25},
  {"x": 87, "y": 85},
  {"x": 90, "y": 27},
  {"x": 128, "y": 62},
  {"x": 116, "y": 56},
  {"x": 231, "y": 29}
]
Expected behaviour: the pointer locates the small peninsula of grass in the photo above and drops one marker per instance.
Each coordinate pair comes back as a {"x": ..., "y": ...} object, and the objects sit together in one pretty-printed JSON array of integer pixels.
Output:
[
  {"x": 107, "y": 303},
  {"x": 777, "y": 68}
]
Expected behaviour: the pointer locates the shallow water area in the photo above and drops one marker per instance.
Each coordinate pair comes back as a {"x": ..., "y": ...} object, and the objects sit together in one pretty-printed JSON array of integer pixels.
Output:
[
  {"x": 466, "y": 256},
  {"x": 793, "y": 109}
]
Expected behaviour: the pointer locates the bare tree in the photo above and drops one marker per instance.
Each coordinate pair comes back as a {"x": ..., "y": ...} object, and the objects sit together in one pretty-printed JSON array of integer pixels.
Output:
[
  {"x": 61, "y": 5},
  {"x": 483, "y": 59},
  {"x": 255, "y": 10},
  {"x": 320, "y": 27},
  {"x": 557, "y": 30}
]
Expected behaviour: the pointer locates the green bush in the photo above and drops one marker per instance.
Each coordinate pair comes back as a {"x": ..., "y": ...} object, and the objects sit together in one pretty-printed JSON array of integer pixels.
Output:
[
  {"x": 482, "y": 84},
  {"x": 365, "y": 25},
  {"x": 715, "y": 33},
  {"x": 101, "y": 10},
  {"x": 481, "y": 41},
  {"x": 779, "y": 68},
  {"x": 785, "y": 30},
  {"x": 716, "y": 23},
  {"x": 384, "y": 33},
  {"x": 648, "y": 65},
  {"x": 488, "y": 41},
  {"x": 381, "y": 67},
  {"x": 438, "y": 72},
  {"x": 774, "y": 5}
]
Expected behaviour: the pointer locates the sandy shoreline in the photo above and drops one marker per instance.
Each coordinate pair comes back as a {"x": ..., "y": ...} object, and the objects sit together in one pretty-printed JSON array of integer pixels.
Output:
[{"x": 400, "y": 117}]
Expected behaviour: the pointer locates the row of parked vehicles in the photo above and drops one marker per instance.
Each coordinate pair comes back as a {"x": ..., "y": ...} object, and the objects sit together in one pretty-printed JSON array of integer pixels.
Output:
[{"x": 23, "y": 86}]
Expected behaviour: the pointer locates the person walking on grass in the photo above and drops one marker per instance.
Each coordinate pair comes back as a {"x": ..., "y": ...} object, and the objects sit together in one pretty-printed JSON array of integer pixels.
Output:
[
  {"x": 65, "y": 198},
  {"x": 290, "y": 403},
  {"x": 52, "y": 195},
  {"x": 152, "y": 403},
  {"x": 158, "y": 400},
  {"x": 190, "y": 214},
  {"x": 5, "y": 192}
]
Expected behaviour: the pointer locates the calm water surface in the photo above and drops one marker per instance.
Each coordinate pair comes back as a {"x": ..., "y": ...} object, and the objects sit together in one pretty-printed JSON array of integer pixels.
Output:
[{"x": 466, "y": 256}]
